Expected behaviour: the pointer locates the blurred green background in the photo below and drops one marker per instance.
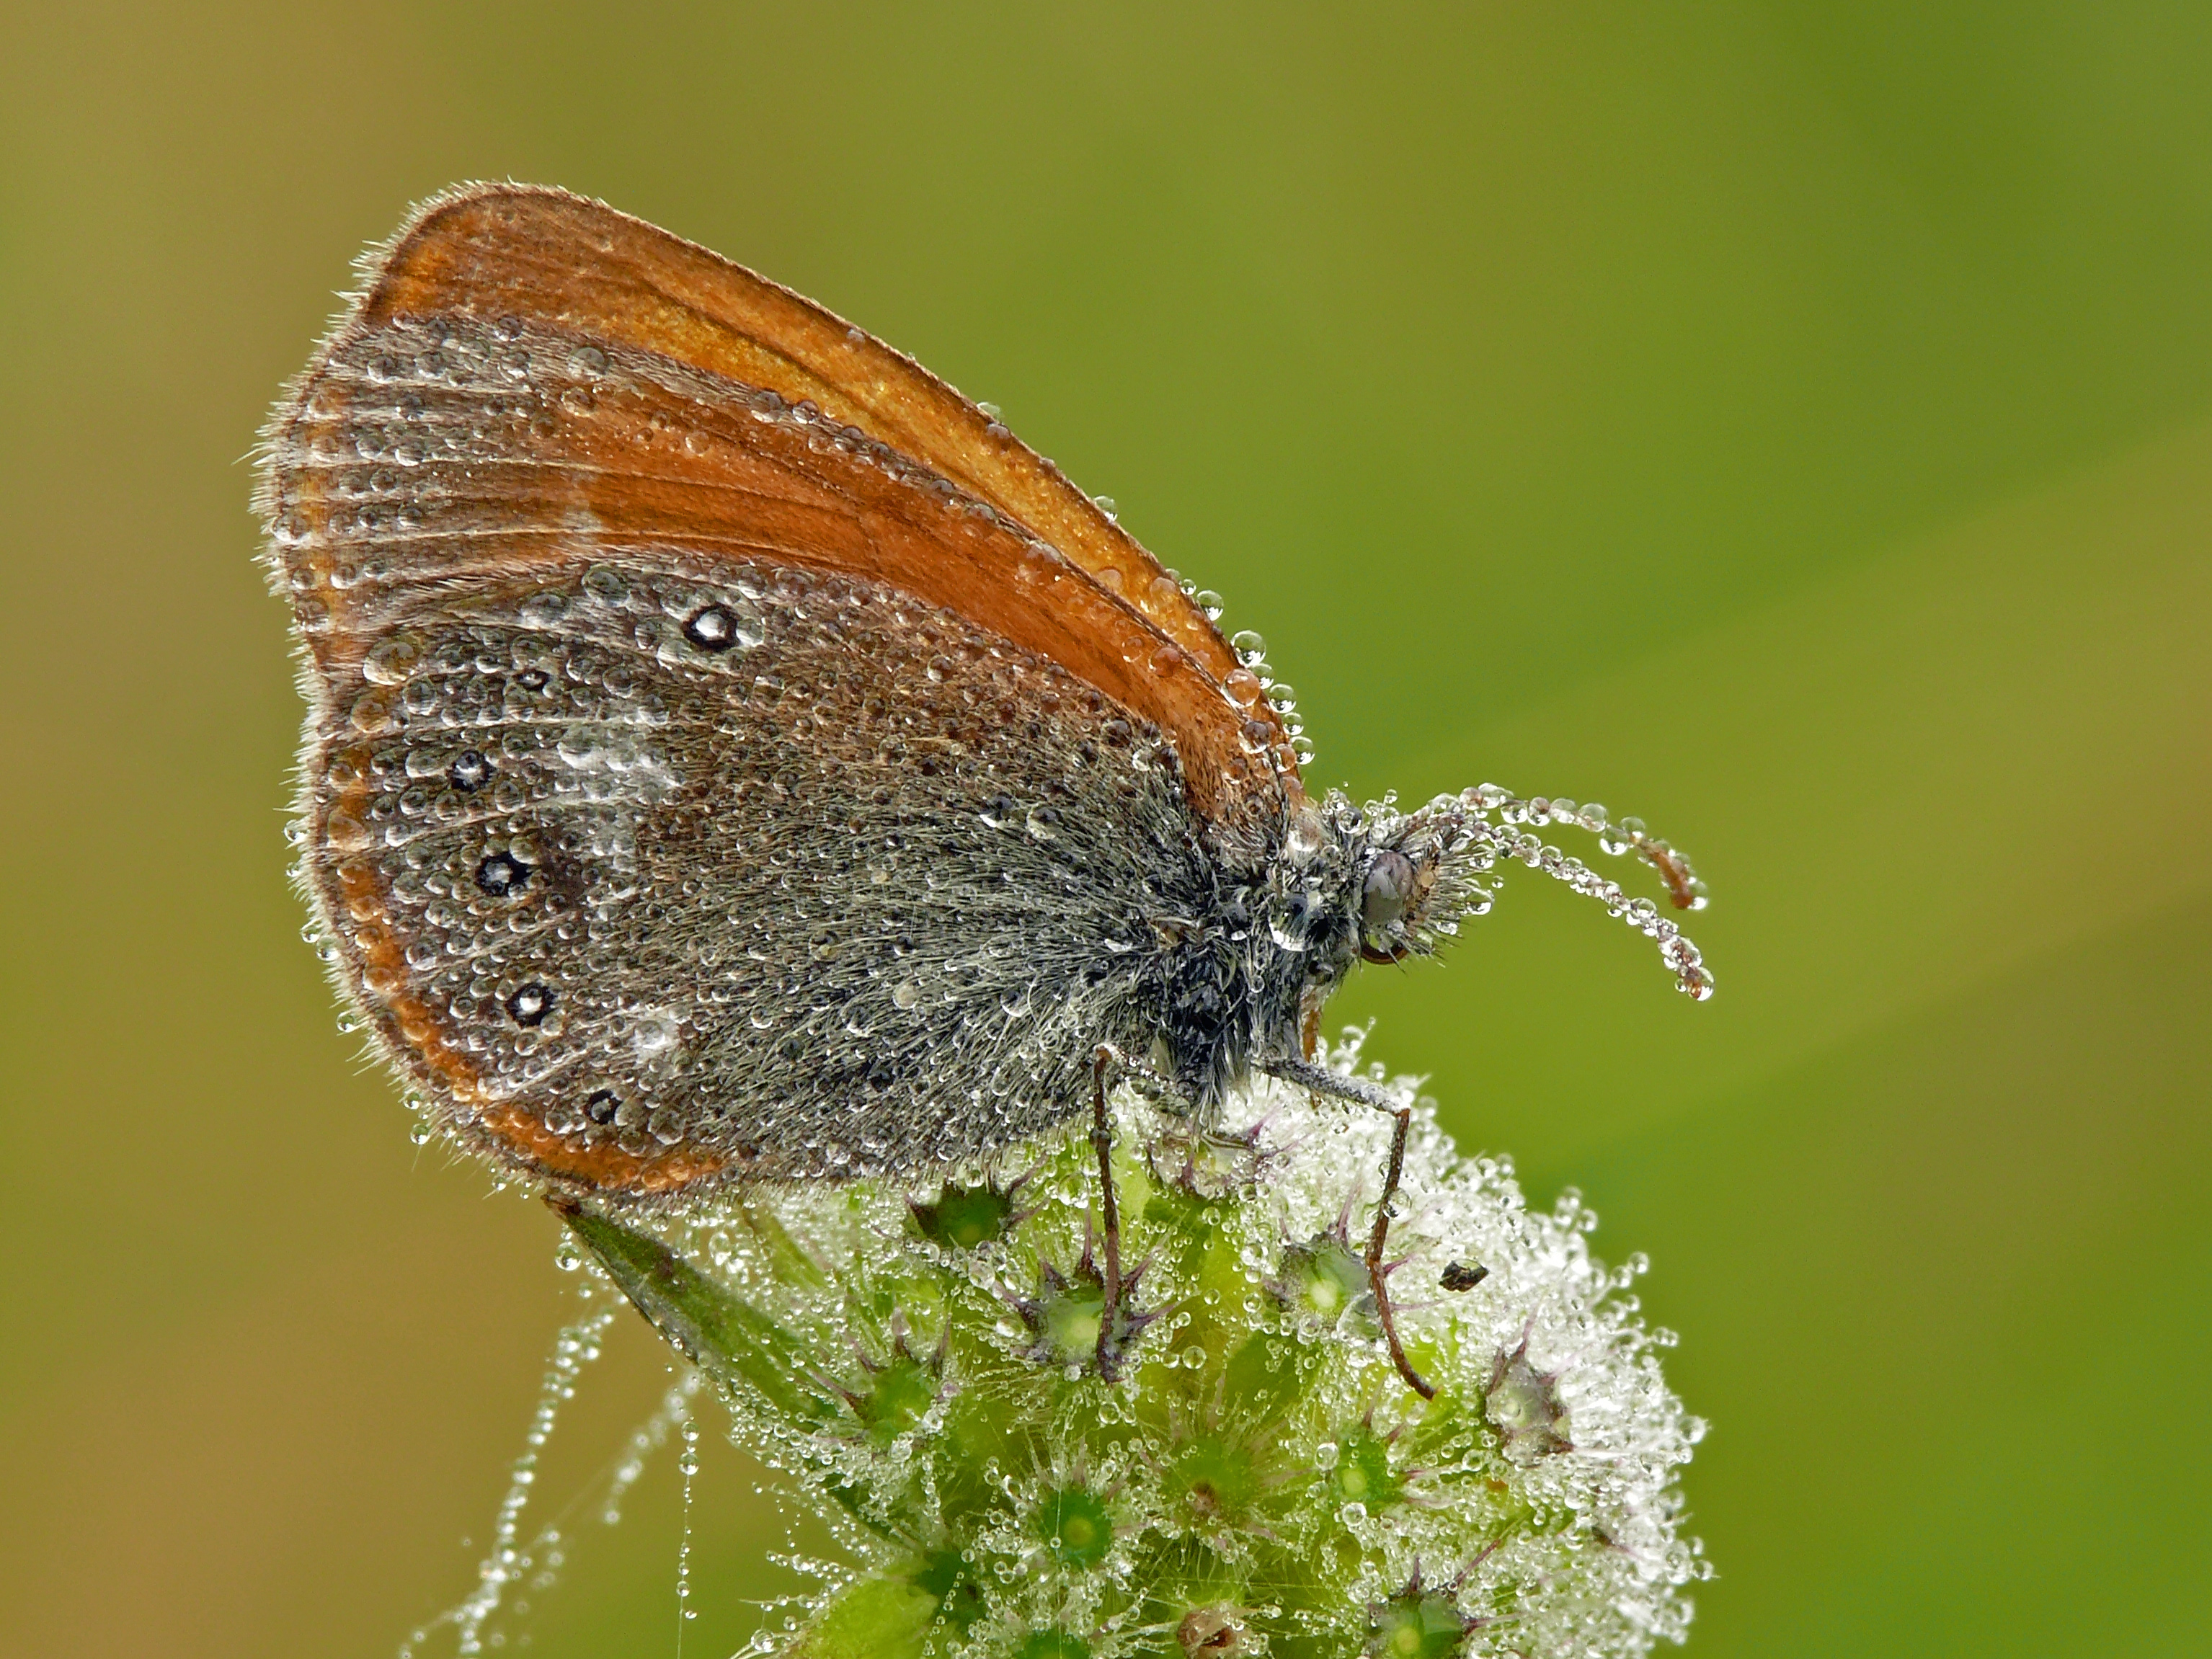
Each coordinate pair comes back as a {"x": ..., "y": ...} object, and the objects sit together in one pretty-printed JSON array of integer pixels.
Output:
[{"x": 1792, "y": 423}]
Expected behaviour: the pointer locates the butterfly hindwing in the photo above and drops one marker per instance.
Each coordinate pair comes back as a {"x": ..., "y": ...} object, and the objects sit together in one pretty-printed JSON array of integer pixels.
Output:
[{"x": 703, "y": 870}]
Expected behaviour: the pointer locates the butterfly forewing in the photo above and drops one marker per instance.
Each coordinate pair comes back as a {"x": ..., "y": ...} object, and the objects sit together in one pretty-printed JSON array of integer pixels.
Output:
[
  {"x": 449, "y": 450},
  {"x": 576, "y": 263},
  {"x": 587, "y": 293}
]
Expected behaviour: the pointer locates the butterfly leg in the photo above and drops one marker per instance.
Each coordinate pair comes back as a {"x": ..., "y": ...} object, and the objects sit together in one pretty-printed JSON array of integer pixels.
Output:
[
  {"x": 1118, "y": 1323},
  {"x": 1414, "y": 1380},
  {"x": 1325, "y": 1082}
]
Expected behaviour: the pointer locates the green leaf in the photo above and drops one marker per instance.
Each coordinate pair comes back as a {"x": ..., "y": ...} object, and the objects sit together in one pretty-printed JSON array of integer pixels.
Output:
[
  {"x": 732, "y": 1343},
  {"x": 876, "y": 1617}
]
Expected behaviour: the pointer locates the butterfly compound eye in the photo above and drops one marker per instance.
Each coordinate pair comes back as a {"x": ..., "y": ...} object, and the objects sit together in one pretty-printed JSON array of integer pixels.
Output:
[{"x": 1383, "y": 898}]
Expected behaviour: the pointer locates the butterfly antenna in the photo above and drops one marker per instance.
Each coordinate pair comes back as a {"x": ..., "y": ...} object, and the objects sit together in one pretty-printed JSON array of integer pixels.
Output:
[{"x": 1685, "y": 891}]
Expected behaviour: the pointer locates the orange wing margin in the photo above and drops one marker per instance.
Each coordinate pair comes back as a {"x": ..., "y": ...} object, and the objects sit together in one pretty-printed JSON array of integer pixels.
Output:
[{"x": 492, "y": 250}]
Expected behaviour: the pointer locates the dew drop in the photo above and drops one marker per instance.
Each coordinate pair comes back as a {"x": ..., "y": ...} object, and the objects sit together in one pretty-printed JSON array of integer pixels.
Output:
[
  {"x": 606, "y": 584},
  {"x": 390, "y": 661},
  {"x": 1241, "y": 686},
  {"x": 655, "y": 1033},
  {"x": 371, "y": 713}
]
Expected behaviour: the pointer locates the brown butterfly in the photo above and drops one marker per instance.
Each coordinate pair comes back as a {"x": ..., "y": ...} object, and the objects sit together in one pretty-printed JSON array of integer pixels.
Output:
[{"x": 732, "y": 754}]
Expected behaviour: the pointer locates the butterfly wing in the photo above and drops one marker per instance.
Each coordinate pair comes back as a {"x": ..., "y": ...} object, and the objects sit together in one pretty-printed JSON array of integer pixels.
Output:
[
  {"x": 535, "y": 892},
  {"x": 654, "y": 869}
]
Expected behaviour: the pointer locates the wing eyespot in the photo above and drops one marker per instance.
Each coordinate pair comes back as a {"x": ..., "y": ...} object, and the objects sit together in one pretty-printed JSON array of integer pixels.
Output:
[
  {"x": 502, "y": 875},
  {"x": 530, "y": 1002}
]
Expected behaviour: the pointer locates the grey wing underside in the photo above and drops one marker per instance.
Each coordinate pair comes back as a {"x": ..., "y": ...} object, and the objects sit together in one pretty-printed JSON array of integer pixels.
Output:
[{"x": 792, "y": 871}]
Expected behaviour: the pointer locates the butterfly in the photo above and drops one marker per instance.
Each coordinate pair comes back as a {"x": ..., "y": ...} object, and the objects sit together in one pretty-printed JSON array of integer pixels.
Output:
[{"x": 732, "y": 755}]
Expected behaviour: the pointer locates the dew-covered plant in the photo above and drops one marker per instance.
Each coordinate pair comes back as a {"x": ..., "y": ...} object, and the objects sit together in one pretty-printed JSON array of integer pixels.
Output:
[{"x": 925, "y": 1369}]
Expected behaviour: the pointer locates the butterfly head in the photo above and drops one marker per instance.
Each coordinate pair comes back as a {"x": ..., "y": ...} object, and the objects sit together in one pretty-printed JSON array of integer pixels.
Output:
[
  {"x": 1406, "y": 880},
  {"x": 1419, "y": 874}
]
